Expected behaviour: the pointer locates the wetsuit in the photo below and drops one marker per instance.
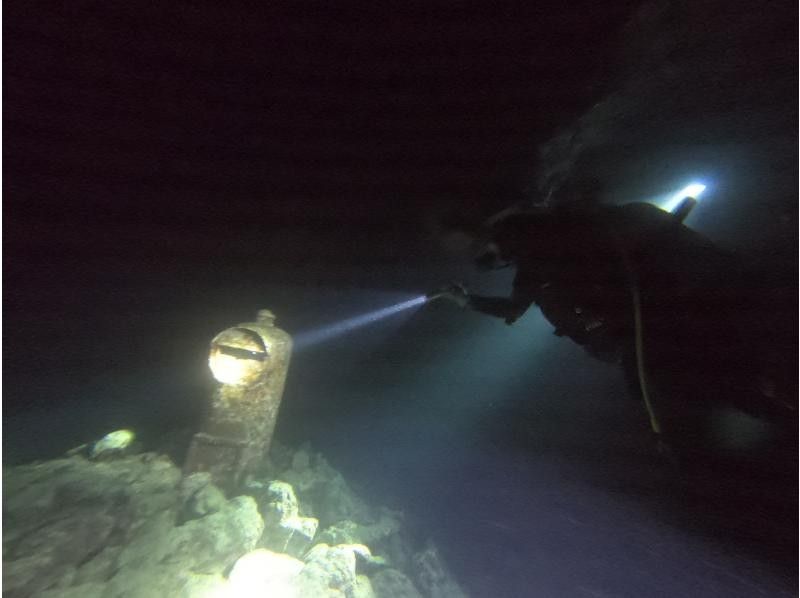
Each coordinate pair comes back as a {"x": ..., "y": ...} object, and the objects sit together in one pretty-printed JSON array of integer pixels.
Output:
[{"x": 582, "y": 271}]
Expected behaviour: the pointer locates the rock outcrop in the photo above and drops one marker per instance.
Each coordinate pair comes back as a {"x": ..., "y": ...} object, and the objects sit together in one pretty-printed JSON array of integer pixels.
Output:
[{"x": 132, "y": 526}]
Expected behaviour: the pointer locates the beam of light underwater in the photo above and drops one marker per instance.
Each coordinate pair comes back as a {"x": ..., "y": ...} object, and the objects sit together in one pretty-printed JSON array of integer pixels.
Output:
[{"x": 313, "y": 337}]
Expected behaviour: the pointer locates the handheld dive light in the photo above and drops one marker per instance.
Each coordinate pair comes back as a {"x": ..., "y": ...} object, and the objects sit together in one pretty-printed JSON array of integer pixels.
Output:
[
  {"x": 674, "y": 203},
  {"x": 682, "y": 210}
]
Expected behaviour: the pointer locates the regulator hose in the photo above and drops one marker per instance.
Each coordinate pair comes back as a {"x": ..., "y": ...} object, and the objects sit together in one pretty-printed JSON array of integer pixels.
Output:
[
  {"x": 641, "y": 372},
  {"x": 638, "y": 328}
]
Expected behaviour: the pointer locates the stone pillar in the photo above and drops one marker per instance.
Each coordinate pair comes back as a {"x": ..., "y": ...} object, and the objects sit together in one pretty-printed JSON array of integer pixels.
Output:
[{"x": 250, "y": 361}]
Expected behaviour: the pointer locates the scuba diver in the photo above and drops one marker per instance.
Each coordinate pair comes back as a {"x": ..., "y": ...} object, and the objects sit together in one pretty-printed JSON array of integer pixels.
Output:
[{"x": 633, "y": 285}]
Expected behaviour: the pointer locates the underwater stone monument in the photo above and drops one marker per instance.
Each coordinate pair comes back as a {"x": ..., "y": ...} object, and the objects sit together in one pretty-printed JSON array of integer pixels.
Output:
[{"x": 250, "y": 361}]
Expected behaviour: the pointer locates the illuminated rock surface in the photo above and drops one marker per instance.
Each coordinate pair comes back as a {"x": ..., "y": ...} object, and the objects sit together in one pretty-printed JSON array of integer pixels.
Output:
[
  {"x": 199, "y": 496},
  {"x": 266, "y": 572},
  {"x": 113, "y": 444},
  {"x": 131, "y": 526},
  {"x": 286, "y": 531}
]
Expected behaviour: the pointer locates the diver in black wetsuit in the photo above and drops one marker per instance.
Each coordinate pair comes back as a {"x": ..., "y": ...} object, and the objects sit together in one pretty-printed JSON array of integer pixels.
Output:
[{"x": 632, "y": 285}]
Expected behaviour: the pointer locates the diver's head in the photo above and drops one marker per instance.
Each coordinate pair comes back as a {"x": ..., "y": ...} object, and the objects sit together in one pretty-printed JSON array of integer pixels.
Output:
[
  {"x": 490, "y": 257},
  {"x": 535, "y": 235},
  {"x": 519, "y": 232}
]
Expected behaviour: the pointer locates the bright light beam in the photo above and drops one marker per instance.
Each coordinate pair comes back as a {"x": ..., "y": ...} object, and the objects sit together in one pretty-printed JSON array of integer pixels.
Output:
[
  {"x": 694, "y": 190},
  {"x": 318, "y": 335}
]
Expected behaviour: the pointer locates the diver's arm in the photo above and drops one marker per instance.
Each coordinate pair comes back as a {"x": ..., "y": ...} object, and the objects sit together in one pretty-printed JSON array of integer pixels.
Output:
[{"x": 508, "y": 308}]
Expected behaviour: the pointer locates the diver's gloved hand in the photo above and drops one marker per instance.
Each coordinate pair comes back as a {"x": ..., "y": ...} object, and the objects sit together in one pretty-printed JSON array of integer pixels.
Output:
[{"x": 456, "y": 293}]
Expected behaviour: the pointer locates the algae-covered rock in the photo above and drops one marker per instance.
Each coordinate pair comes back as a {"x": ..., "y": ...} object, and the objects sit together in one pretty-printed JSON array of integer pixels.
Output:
[
  {"x": 341, "y": 532},
  {"x": 351, "y": 533},
  {"x": 199, "y": 496},
  {"x": 363, "y": 588},
  {"x": 285, "y": 530},
  {"x": 322, "y": 490},
  {"x": 329, "y": 569},
  {"x": 166, "y": 580},
  {"x": 337, "y": 501},
  {"x": 380, "y": 536},
  {"x": 146, "y": 581},
  {"x": 391, "y": 583},
  {"x": 148, "y": 542},
  {"x": 131, "y": 527},
  {"x": 61, "y": 515},
  {"x": 86, "y": 590},
  {"x": 81, "y": 532},
  {"x": 346, "y": 531},
  {"x": 28, "y": 576},
  {"x": 280, "y": 502},
  {"x": 301, "y": 461},
  {"x": 114, "y": 444},
  {"x": 165, "y": 559},
  {"x": 76, "y": 523},
  {"x": 432, "y": 575},
  {"x": 213, "y": 543},
  {"x": 295, "y": 535},
  {"x": 100, "y": 567},
  {"x": 201, "y": 585}
]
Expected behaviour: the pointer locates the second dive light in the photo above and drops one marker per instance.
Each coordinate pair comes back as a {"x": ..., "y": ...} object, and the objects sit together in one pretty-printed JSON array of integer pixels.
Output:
[
  {"x": 694, "y": 191},
  {"x": 682, "y": 210}
]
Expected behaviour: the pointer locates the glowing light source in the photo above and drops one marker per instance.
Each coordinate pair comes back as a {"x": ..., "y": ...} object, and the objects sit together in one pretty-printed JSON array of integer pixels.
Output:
[
  {"x": 237, "y": 356},
  {"x": 264, "y": 573},
  {"x": 112, "y": 443},
  {"x": 227, "y": 369},
  {"x": 694, "y": 190},
  {"x": 313, "y": 337}
]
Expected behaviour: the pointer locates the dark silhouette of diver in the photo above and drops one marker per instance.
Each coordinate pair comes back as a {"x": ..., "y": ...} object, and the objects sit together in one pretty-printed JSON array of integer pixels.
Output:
[{"x": 633, "y": 285}]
